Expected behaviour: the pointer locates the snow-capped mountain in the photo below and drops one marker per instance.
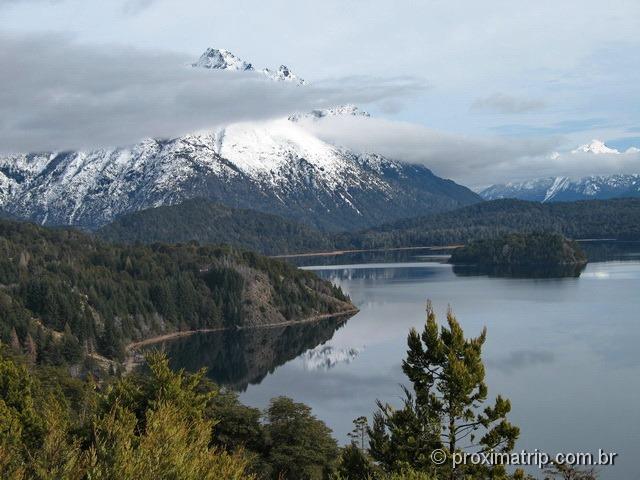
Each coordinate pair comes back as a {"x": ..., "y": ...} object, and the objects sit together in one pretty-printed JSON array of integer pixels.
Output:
[
  {"x": 220, "y": 59},
  {"x": 283, "y": 74},
  {"x": 274, "y": 166},
  {"x": 597, "y": 147},
  {"x": 347, "y": 109},
  {"x": 216, "y": 59},
  {"x": 565, "y": 189}
]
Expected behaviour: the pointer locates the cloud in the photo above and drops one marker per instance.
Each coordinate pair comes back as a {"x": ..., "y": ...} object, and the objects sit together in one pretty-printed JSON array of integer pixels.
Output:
[
  {"x": 507, "y": 104},
  {"x": 134, "y": 7},
  {"x": 553, "y": 128},
  {"x": 56, "y": 94},
  {"x": 580, "y": 164},
  {"x": 473, "y": 161},
  {"x": 128, "y": 7}
]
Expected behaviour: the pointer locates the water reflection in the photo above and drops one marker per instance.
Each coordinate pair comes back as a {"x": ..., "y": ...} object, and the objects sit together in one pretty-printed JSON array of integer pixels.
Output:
[
  {"x": 326, "y": 357},
  {"x": 607, "y": 251},
  {"x": 518, "y": 359},
  {"x": 563, "y": 350},
  {"x": 520, "y": 271},
  {"x": 374, "y": 256},
  {"x": 237, "y": 359}
]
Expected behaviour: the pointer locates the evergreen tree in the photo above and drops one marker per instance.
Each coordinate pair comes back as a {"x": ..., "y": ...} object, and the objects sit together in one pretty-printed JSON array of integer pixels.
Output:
[
  {"x": 31, "y": 349},
  {"x": 563, "y": 471},
  {"x": 447, "y": 374},
  {"x": 301, "y": 446},
  {"x": 71, "y": 348},
  {"x": 359, "y": 433},
  {"x": 356, "y": 464},
  {"x": 15, "y": 341}
]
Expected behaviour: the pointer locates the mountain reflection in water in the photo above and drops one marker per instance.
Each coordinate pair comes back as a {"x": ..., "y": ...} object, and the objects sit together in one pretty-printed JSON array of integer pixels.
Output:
[{"x": 238, "y": 358}]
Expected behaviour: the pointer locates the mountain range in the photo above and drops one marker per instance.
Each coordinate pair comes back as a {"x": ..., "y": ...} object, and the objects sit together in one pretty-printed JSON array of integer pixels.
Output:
[
  {"x": 568, "y": 189},
  {"x": 565, "y": 189},
  {"x": 273, "y": 166}
]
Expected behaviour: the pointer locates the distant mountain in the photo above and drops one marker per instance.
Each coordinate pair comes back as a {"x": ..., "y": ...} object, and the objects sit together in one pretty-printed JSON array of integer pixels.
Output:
[
  {"x": 274, "y": 166},
  {"x": 340, "y": 110},
  {"x": 565, "y": 189},
  {"x": 615, "y": 218},
  {"x": 216, "y": 59},
  {"x": 214, "y": 223},
  {"x": 596, "y": 147}
]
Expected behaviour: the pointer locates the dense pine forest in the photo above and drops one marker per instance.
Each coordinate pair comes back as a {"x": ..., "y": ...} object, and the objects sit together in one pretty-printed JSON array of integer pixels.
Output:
[
  {"x": 208, "y": 222},
  {"x": 617, "y": 218},
  {"x": 64, "y": 294},
  {"x": 213, "y": 223},
  {"x": 520, "y": 249}
]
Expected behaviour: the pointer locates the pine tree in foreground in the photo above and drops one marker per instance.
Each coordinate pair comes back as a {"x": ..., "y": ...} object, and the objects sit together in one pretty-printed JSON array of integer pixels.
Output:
[{"x": 443, "y": 409}]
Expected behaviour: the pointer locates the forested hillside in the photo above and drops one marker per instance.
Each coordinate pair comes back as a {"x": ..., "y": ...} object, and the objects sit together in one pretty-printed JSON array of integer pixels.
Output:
[
  {"x": 617, "y": 218},
  {"x": 214, "y": 223},
  {"x": 211, "y": 223},
  {"x": 64, "y": 294}
]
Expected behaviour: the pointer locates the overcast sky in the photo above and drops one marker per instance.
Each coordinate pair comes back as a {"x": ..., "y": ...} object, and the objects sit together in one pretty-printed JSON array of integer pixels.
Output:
[{"x": 473, "y": 85}]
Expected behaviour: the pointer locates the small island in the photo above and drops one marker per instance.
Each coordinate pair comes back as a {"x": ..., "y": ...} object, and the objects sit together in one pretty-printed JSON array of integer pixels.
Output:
[{"x": 521, "y": 250}]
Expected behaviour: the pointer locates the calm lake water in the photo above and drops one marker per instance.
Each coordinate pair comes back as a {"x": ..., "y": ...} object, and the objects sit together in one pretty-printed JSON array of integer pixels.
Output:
[{"x": 565, "y": 351}]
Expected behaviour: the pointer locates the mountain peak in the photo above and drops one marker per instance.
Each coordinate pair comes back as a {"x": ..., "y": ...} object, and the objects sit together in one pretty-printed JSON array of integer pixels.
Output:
[
  {"x": 221, "y": 59},
  {"x": 345, "y": 110},
  {"x": 596, "y": 147},
  {"x": 283, "y": 74},
  {"x": 564, "y": 189}
]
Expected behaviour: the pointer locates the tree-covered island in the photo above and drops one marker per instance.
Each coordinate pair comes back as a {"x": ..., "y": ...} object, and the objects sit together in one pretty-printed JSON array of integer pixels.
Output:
[{"x": 520, "y": 249}]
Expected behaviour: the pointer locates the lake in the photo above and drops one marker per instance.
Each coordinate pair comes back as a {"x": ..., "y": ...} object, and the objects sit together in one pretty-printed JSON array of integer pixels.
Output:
[{"x": 565, "y": 351}]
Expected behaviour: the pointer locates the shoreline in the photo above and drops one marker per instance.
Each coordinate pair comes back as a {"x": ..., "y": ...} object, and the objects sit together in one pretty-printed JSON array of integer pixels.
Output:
[
  {"x": 364, "y": 250},
  {"x": 330, "y": 253},
  {"x": 132, "y": 347}
]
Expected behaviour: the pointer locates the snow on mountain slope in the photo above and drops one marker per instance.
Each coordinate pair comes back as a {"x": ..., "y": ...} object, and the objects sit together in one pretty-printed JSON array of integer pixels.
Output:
[
  {"x": 274, "y": 166},
  {"x": 220, "y": 59},
  {"x": 596, "y": 147},
  {"x": 558, "y": 189},
  {"x": 559, "y": 184},
  {"x": 347, "y": 109},
  {"x": 283, "y": 74},
  {"x": 262, "y": 150}
]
